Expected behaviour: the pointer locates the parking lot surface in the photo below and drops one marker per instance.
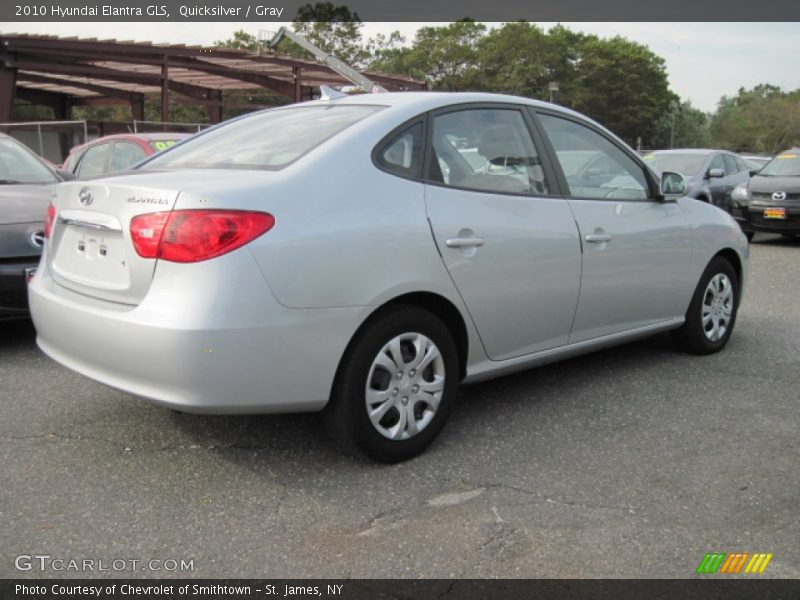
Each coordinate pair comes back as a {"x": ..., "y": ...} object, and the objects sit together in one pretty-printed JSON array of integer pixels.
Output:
[{"x": 630, "y": 462}]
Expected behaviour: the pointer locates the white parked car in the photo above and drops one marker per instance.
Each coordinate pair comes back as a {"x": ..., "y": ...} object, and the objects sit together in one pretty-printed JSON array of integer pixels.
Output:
[{"x": 364, "y": 255}]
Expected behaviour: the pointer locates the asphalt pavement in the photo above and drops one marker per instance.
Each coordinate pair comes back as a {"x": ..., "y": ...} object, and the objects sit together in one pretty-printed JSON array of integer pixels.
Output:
[{"x": 629, "y": 462}]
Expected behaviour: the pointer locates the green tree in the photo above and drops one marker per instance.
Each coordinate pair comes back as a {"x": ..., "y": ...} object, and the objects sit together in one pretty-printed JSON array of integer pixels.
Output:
[
  {"x": 764, "y": 119},
  {"x": 447, "y": 56},
  {"x": 682, "y": 126},
  {"x": 622, "y": 84},
  {"x": 239, "y": 40},
  {"x": 331, "y": 28}
]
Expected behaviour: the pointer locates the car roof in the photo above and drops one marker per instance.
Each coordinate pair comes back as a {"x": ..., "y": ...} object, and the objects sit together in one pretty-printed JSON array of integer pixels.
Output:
[
  {"x": 143, "y": 137},
  {"x": 419, "y": 102}
]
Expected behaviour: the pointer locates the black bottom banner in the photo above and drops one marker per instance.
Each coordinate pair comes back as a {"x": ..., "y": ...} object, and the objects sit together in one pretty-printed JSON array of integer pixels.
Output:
[{"x": 416, "y": 589}]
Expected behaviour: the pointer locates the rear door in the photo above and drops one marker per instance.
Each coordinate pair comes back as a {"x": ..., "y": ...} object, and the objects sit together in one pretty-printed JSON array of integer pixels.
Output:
[
  {"x": 508, "y": 241},
  {"x": 635, "y": 248}
]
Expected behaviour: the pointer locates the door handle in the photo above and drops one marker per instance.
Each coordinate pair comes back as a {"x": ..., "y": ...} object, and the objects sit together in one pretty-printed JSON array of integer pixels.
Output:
[
  {"x": 464, "y": 242},
  {"x": 596, "y": 238}
]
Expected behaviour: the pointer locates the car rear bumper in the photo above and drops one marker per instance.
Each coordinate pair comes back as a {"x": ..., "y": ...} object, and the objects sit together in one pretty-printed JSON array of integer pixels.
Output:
[
  {"x": 13, "y": 287},
  {"x": 225, "y": 348}
]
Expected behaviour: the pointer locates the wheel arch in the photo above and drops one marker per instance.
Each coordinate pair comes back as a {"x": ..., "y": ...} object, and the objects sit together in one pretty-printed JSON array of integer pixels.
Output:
[
  {"x": 434, "y": 303},
  {"x": 735, "y": 260}
]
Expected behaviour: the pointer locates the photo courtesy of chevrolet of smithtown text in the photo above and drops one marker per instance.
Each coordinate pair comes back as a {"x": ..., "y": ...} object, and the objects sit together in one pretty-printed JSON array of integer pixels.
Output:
[{"x": 414, "y": 300}]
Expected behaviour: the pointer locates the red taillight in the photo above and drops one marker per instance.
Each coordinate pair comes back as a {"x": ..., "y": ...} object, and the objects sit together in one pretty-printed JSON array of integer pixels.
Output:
[
  {"x": 51, "y": 218},
  {"x": 195, "y": 235}
]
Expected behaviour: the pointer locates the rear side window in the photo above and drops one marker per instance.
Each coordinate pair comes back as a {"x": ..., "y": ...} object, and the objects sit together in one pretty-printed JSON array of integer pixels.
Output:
[
  {"x": 268, "y": 140},
  {"x": 486, "y": 150},
  {"x": 402, "y": 155}
]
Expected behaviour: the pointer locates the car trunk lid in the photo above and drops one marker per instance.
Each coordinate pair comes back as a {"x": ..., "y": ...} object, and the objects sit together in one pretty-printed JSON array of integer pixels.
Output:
[{"x": 90, "y": 249}]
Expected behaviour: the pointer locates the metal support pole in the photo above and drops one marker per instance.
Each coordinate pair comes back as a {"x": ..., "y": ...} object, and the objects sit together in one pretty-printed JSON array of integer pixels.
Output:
[{"x": 165, "y": 93}]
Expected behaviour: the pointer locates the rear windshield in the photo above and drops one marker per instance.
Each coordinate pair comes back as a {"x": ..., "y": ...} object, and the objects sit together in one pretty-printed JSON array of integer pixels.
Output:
[
  {"x": 18, "y": 165},
  {"x": 783, "y": 165},
  {"x": 159, "y": 145},
  {"x": 685, "y": 164},
  {"x": 268, "y": 140}
]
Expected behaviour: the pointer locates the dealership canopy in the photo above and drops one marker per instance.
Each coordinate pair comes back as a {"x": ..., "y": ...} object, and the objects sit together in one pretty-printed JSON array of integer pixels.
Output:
[{"x": 65, "y": 72}]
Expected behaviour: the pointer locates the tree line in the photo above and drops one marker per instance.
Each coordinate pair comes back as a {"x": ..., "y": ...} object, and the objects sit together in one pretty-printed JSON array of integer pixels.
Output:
[{"x": 616, "y": 81}]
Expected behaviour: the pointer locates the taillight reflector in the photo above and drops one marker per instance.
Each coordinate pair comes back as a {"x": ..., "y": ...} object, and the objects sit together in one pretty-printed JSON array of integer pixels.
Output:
[{"x": 51, "y": 218}]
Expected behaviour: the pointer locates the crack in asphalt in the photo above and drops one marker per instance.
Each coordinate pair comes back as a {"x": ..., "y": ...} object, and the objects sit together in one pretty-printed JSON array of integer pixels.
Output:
[{"x": 550, "y": 500}]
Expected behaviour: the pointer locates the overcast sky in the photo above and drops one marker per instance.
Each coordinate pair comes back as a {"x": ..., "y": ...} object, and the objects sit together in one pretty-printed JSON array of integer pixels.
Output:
[{"x": 704, "y": 60}]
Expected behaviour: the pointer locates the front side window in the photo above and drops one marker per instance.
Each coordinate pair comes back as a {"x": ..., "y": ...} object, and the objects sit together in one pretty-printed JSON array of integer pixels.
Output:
[
  {"x": 93, "y": 162},
  {"x": 717, "y": 163},
  {"x": 486, "y": 150},
  {"x": 593, "y": 166},
  {"x": 268, "y": 140}
]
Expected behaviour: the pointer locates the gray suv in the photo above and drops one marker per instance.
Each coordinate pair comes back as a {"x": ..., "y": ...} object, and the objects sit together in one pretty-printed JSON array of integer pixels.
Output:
[{"x": 711, "y": 175}]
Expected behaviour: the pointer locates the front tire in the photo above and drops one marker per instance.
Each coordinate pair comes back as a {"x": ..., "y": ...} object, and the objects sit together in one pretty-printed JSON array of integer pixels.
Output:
[
  {"x": 712, "y": 312},
  {"x": 395, "y": 387}
]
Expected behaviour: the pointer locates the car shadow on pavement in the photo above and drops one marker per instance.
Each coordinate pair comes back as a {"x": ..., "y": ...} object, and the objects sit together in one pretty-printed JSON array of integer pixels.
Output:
[
  {"x": 15, "y": 333},
  {"x": 483, "y": 407}
]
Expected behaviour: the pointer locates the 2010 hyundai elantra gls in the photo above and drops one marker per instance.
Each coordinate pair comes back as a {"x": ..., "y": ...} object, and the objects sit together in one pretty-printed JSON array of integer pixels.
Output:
[{"x": 366, "y": 254}]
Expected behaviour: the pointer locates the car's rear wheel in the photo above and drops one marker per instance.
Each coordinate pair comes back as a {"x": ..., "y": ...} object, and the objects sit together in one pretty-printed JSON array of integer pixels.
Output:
[
  {"x": 395, "y": 387},
  {"x": 712, "y": 312}
]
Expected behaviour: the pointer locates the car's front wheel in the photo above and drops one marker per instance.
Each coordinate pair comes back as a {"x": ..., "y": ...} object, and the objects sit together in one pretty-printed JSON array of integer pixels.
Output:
[
  {"x": 395, "y": 387},
  {"x": 712, "y": 312}
]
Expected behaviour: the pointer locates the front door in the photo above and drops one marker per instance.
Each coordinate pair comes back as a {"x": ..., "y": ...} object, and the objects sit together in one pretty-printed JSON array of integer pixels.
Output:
[{"x": 635, "y": 249}]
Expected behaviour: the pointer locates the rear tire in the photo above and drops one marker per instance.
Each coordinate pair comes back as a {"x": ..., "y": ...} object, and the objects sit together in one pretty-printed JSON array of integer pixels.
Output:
[
  {"x": 395, "y": 387},
  {"x": 712, "y": 312}
]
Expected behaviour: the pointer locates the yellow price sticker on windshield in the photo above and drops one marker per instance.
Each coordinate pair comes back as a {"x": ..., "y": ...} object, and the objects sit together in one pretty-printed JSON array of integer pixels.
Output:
[{"x": 782, "y": 156}]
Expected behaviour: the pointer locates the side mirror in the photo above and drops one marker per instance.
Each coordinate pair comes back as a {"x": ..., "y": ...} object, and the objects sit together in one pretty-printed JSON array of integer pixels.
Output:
[
  {"x": 753, "y": 171},
  {"x": 716, "y": 173},
  {"x": 672, "y": 183},
  {"x": 65, "y": 175}
]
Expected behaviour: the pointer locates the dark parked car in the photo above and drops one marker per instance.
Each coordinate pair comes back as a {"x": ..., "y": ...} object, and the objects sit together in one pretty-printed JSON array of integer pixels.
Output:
[
  {"x": 26, "y": 183},
  {"x": 771, "y": 201},
  {"x": 711, "y": 175},
  {"x": 117, "y": 152}
]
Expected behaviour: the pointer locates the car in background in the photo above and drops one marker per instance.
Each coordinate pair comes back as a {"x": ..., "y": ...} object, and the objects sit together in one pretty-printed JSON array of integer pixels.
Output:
[
  {"x": 26, "y": 185},
  {"x": 364, "y": 255},
  {"x": 771, "y": 201},
  {"x": 755, "y": 162},
  {"x": 113, "y": 153},
  {"x": 711, "y": 175}
]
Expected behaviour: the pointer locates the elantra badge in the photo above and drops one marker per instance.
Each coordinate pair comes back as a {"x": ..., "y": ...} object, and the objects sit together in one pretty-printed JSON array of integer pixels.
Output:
[
  {"x": 779, "y": 196},
  {"x": 86, "y": 196}
]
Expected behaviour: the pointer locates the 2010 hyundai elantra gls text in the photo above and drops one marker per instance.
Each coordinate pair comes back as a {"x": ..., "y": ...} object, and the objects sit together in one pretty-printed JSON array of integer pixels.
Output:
[{"x": 366, "y": 254}]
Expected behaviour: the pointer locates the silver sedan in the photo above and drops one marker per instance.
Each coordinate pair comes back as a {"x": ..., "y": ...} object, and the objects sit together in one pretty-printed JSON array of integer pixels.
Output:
[{"x": 365, "y": 255}]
